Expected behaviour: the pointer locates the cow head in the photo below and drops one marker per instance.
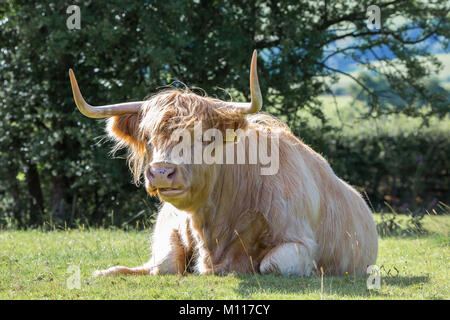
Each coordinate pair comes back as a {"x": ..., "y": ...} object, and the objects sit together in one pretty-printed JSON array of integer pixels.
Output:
[{"x": 152, "y": 129}]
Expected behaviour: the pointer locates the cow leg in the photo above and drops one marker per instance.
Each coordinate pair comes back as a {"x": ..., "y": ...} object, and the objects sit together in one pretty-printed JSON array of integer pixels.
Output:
[
  {"x": 167, "y": 258},
  {"x": 171, "y": 242},
  {"x": 171, "y": 247},
  {"x": 290, "y": 258},
  {"x": 170, "y": 254},
  {"x": 123, "y": 270}
]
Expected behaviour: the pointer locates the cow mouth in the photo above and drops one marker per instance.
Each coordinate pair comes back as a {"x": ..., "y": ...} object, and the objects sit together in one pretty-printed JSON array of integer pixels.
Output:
[{"x": 170, "y": 192}]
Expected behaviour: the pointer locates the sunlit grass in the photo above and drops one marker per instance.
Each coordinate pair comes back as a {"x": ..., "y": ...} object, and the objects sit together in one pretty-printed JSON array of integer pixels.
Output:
[{"x": 34, "y": 265}]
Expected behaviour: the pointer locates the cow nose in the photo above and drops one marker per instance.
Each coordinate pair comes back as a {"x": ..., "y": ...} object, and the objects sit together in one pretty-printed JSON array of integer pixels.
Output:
[{"x": 161, "y": 175}]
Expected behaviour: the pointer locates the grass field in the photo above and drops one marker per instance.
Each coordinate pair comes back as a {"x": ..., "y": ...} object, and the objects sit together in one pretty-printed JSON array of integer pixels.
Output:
[{"x": 34, "y": 265}]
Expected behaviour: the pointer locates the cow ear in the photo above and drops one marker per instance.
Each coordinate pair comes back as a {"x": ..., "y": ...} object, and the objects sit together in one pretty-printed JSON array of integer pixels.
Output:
[{"x": 125, "y": 130}]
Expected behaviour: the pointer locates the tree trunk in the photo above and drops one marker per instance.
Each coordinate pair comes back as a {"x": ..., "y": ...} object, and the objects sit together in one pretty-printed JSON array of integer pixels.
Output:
[
  {"x": 35, "y": 191},
  {"x": 59, "y": 199},
  {"x": 17, "y": 208}
]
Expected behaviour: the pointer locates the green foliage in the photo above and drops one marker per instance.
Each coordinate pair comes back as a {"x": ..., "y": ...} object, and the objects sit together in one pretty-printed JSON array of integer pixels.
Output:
[
  {"x": 397, "y": 168},
  {"x": 390, "y": 224},
  {"x": 53, "y": 161},
  {"x": 392, "y": 102},
  {"x": 393, "y": 158}
]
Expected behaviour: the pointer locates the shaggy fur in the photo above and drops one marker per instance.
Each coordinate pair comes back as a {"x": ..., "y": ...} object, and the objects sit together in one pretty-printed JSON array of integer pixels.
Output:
[{"x": 232, "y": 218}]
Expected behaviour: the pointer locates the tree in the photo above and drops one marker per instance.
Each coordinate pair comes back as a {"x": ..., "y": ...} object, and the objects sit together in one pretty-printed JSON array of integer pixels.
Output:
[
  {"x": 391, "y": 102},
  {"x": 51, "y": 165}
]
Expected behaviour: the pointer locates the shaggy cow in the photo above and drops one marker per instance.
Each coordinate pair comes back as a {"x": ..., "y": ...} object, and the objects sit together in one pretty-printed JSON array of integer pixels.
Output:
[{"x": 219, "y": 218}]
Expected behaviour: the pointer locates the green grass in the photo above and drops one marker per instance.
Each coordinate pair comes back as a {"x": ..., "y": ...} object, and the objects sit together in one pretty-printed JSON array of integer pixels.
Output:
[{"x": 33, "y": 265}]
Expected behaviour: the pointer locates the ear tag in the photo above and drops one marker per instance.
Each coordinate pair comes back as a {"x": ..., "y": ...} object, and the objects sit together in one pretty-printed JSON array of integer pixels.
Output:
[{"x": 230, "y": 136}]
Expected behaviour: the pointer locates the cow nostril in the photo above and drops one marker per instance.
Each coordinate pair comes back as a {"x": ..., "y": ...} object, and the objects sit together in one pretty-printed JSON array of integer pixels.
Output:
[
  {"x": 171, "y": 174},
  {"x": 160, "y": 174}
]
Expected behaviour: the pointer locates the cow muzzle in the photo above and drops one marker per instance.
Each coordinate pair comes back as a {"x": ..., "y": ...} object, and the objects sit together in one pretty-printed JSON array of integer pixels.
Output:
[{"x": 163, "y": 177}]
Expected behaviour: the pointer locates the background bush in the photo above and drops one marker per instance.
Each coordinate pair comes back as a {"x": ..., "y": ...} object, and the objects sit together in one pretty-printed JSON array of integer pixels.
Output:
[
  {"x": 393, "y": 159},
  {"x": 54, "y": 163}
]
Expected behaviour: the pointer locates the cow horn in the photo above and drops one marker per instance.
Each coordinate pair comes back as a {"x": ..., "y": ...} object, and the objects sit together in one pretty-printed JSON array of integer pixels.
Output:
[
  {"x": 102, "y": 111},
  {"x": 256, "y": 97}
]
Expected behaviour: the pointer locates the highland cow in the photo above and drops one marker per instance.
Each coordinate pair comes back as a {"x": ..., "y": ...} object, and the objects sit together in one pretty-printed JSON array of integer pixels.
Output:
[{"x": 220, "y": 217}]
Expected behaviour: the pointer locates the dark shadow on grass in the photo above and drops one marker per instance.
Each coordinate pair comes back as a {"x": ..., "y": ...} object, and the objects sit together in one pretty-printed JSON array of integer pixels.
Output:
[
  {"x": 400, "y": 281},
  {"x": 349, "y": 286}
]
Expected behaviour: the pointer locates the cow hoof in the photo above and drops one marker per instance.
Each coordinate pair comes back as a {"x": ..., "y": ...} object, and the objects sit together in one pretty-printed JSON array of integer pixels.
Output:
[
  {"x": 99, "y": 273},
  {"x": 103, "y": 273}
]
